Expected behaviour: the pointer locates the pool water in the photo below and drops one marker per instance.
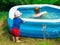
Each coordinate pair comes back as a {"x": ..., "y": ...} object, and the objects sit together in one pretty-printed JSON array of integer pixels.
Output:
[{"x": 53, "y": 13}]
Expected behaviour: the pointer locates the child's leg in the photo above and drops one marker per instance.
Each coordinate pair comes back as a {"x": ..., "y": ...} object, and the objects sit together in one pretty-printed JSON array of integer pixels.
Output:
[
  {"x": 16, "y": 34},
  {"x": 13, "y": 38},
  {"x": 17, "y": 39}
]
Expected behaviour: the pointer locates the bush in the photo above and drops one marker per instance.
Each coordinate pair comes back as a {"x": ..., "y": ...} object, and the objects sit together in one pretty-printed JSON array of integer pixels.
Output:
[
  {"x": 57, "y": 3},
  {"x": 7, "y": 4}
]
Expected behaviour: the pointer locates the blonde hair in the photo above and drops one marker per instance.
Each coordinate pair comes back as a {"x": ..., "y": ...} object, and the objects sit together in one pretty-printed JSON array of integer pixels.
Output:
[
  {"x": 17, "y": 13},
  {"x": 36, "y": 9}
]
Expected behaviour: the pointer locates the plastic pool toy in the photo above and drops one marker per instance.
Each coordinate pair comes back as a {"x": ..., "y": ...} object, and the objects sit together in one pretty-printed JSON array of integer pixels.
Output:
[{"x": 48, "y": 26}]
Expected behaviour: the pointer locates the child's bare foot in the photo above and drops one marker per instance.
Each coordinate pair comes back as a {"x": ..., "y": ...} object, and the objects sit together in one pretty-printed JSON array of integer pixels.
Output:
[
  {"x": 18, "y": 41},
  {"x": 13, "y": 40}
]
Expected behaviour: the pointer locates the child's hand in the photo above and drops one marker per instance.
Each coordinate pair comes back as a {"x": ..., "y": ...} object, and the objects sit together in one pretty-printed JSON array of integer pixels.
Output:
[{"x": 24, "y": 21}]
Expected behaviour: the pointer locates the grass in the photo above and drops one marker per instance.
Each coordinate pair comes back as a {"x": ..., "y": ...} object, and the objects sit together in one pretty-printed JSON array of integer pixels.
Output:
[{"x": 5, "y": 37}]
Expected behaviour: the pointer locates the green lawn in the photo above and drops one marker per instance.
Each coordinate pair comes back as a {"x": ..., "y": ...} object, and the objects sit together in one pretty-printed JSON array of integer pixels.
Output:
[{"x": 5, "y": 38}]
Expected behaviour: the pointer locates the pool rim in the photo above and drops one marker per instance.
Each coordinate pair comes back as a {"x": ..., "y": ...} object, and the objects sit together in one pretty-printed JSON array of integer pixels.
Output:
[{"x": 13, "y": 9}]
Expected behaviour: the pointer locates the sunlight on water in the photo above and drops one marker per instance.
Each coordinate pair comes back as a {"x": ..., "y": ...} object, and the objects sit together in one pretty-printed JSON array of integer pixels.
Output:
[{"x": 51, "y": 16}]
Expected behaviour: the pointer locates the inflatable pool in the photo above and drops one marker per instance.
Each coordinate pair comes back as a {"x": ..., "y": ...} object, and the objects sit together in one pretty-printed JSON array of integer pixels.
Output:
[{"x": 48, "y": 26}]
